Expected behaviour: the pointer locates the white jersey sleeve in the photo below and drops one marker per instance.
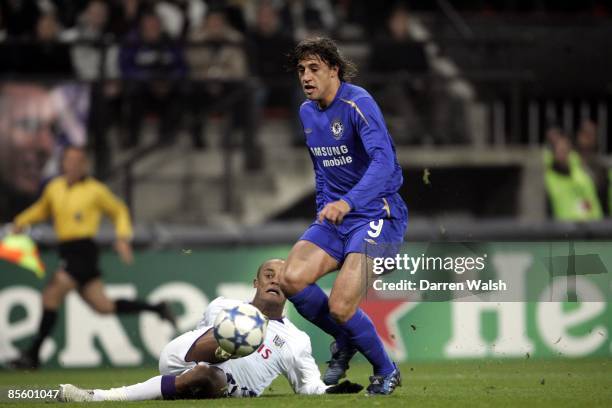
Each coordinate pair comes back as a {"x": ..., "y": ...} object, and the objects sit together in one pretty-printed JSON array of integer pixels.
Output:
[{"x": 302, "y": 371}]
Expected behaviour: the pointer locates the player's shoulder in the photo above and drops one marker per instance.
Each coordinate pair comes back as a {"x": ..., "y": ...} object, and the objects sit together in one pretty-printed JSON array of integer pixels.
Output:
[
  {"x": 55, "y": 182},
  {"x": 307, "y": 106},
  {"x": 223, "y": 302},
  {"x": 355, "y": 93},
  {"x": 357, "y": 99}
]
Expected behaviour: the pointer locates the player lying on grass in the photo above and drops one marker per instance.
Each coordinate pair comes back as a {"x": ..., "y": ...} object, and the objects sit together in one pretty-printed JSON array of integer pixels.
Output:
[{"x": 194, "y": 366}]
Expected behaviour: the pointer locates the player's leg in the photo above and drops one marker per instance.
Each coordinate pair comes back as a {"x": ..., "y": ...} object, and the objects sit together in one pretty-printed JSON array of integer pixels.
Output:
[
  {"x": 344, "y": 300},
  {"x": 53, "y": 296},
  {"x": 202, "y": 381},
  {"x": 305, "y": 264},
  {"x": 378, "y": 238},
  {"x": 93, "y": 293}
]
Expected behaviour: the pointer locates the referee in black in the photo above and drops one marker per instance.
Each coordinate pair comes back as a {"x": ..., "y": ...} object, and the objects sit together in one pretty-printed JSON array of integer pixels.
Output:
[{"x": 76, "y": 203}]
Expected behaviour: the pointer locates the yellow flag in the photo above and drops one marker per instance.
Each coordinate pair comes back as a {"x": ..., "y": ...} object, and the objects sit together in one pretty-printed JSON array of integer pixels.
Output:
[{"x": 21, "y": 250}]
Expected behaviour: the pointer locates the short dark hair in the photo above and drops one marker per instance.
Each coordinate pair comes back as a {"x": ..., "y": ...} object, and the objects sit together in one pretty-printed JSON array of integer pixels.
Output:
[{"x": 328, "y": 51}]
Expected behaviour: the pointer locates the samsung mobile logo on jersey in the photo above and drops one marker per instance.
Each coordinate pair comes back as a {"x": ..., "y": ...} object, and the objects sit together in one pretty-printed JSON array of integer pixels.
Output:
[{"x": 326, "y": 151}]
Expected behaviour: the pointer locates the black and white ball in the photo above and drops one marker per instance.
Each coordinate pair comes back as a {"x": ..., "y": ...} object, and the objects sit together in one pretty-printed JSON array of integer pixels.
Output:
[{"x": 241, "y": 329}]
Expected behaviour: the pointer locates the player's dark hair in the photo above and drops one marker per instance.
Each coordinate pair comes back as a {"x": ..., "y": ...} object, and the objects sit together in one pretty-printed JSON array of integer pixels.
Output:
[
  {"x": 327, "y": 50},
  {"x": 260, "y": 269}
]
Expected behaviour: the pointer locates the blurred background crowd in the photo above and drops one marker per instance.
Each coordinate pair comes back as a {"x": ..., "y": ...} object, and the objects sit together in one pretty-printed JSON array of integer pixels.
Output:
[{"x": 499, "y": 109}]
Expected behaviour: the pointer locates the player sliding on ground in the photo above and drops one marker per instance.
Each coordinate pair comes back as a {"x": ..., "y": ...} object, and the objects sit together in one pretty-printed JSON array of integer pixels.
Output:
[
  {"x": 194, "y": 366},
  {"x": 360, "y": 213}
]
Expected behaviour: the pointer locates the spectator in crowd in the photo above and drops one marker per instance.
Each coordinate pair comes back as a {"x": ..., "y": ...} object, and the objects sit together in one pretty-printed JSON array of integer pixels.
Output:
[
  {"x": 46, "y": 56},
  {"x": 553, "y": 134},
  {"x": 307, "y": 18},
  {"x": 594, "y": 164},
  {"x": 407, "y": 100},
  {"x": 437, "y": 104},
  {"x": 219, "y": 68},
  {"x": 179, "y": 17},
  {"x": 95, "y": 58},
  {"x": 27, "y": 117},
  {"x": 269, "y": 47},
  {"x": 571, "y": 191},
  {"x": 91, "y": 30},
  {"x": 125, "y": 15},
  {"x": 155, "y": 67}
]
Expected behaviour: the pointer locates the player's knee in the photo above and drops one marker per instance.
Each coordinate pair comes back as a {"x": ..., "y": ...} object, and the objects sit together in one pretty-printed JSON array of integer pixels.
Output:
[
  {"x": 103, "y": 307},
  {"x": 292, "y": 281},
  {"x": 52, "y": 299},
  {"x": 340, "y": 310}
]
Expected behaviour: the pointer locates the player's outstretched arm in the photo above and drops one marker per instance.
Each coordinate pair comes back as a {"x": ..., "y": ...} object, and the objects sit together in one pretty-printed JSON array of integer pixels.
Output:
[
  {"x": 305, "y": 378},
  {"x": 37, "y": 212}
]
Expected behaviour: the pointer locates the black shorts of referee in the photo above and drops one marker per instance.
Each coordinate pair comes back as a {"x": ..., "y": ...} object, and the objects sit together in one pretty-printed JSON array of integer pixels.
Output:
[{"x": 79, "y": 258}]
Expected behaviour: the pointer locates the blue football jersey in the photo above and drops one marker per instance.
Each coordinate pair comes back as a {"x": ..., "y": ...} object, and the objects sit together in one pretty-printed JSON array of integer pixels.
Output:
[{"x": 351, "y": 149}]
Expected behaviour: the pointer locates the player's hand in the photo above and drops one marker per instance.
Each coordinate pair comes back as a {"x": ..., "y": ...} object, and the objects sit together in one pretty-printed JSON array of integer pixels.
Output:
[
  {"x": 335, "y": 212},
  {"x": 223, "y": 355},
  {"x": 124, "y": 249},
  {"x": 345, "y": 387},
  {"x": 16, "y": 229}
]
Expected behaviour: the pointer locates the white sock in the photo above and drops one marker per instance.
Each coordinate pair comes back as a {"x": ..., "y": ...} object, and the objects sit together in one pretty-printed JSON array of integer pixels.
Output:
[{"x": 148, "y": 390}]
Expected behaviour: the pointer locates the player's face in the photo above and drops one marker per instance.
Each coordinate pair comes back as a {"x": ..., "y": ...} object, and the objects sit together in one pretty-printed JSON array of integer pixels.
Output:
[
  {"x": 74, "y": 164},
  {"x": 318, "y": 80},
  {"x": 268, "y": 282}
]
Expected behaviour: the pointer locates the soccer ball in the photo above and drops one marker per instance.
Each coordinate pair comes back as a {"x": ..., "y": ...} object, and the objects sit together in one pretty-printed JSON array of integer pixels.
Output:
[{"x": 241, "y": 329}]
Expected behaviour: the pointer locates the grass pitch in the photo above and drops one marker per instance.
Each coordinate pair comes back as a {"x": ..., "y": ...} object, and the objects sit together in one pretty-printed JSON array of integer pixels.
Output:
[{"x": 500, "y": 383}]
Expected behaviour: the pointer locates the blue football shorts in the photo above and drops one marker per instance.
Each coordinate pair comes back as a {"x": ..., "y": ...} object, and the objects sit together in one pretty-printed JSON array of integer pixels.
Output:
[{"x": 376, "y": 232}]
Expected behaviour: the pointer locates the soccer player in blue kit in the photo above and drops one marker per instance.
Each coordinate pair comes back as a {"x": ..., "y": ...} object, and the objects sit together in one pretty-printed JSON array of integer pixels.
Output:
[{"x": 360, "y": 212}]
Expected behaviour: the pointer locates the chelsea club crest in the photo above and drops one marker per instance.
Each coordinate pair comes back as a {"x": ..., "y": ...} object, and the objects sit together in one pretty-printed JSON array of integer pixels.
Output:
[{"x": 337, "y": 128}]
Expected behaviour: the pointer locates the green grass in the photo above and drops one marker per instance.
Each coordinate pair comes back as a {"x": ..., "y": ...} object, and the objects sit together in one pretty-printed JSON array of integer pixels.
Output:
[{"x": 525, "y": 383}]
